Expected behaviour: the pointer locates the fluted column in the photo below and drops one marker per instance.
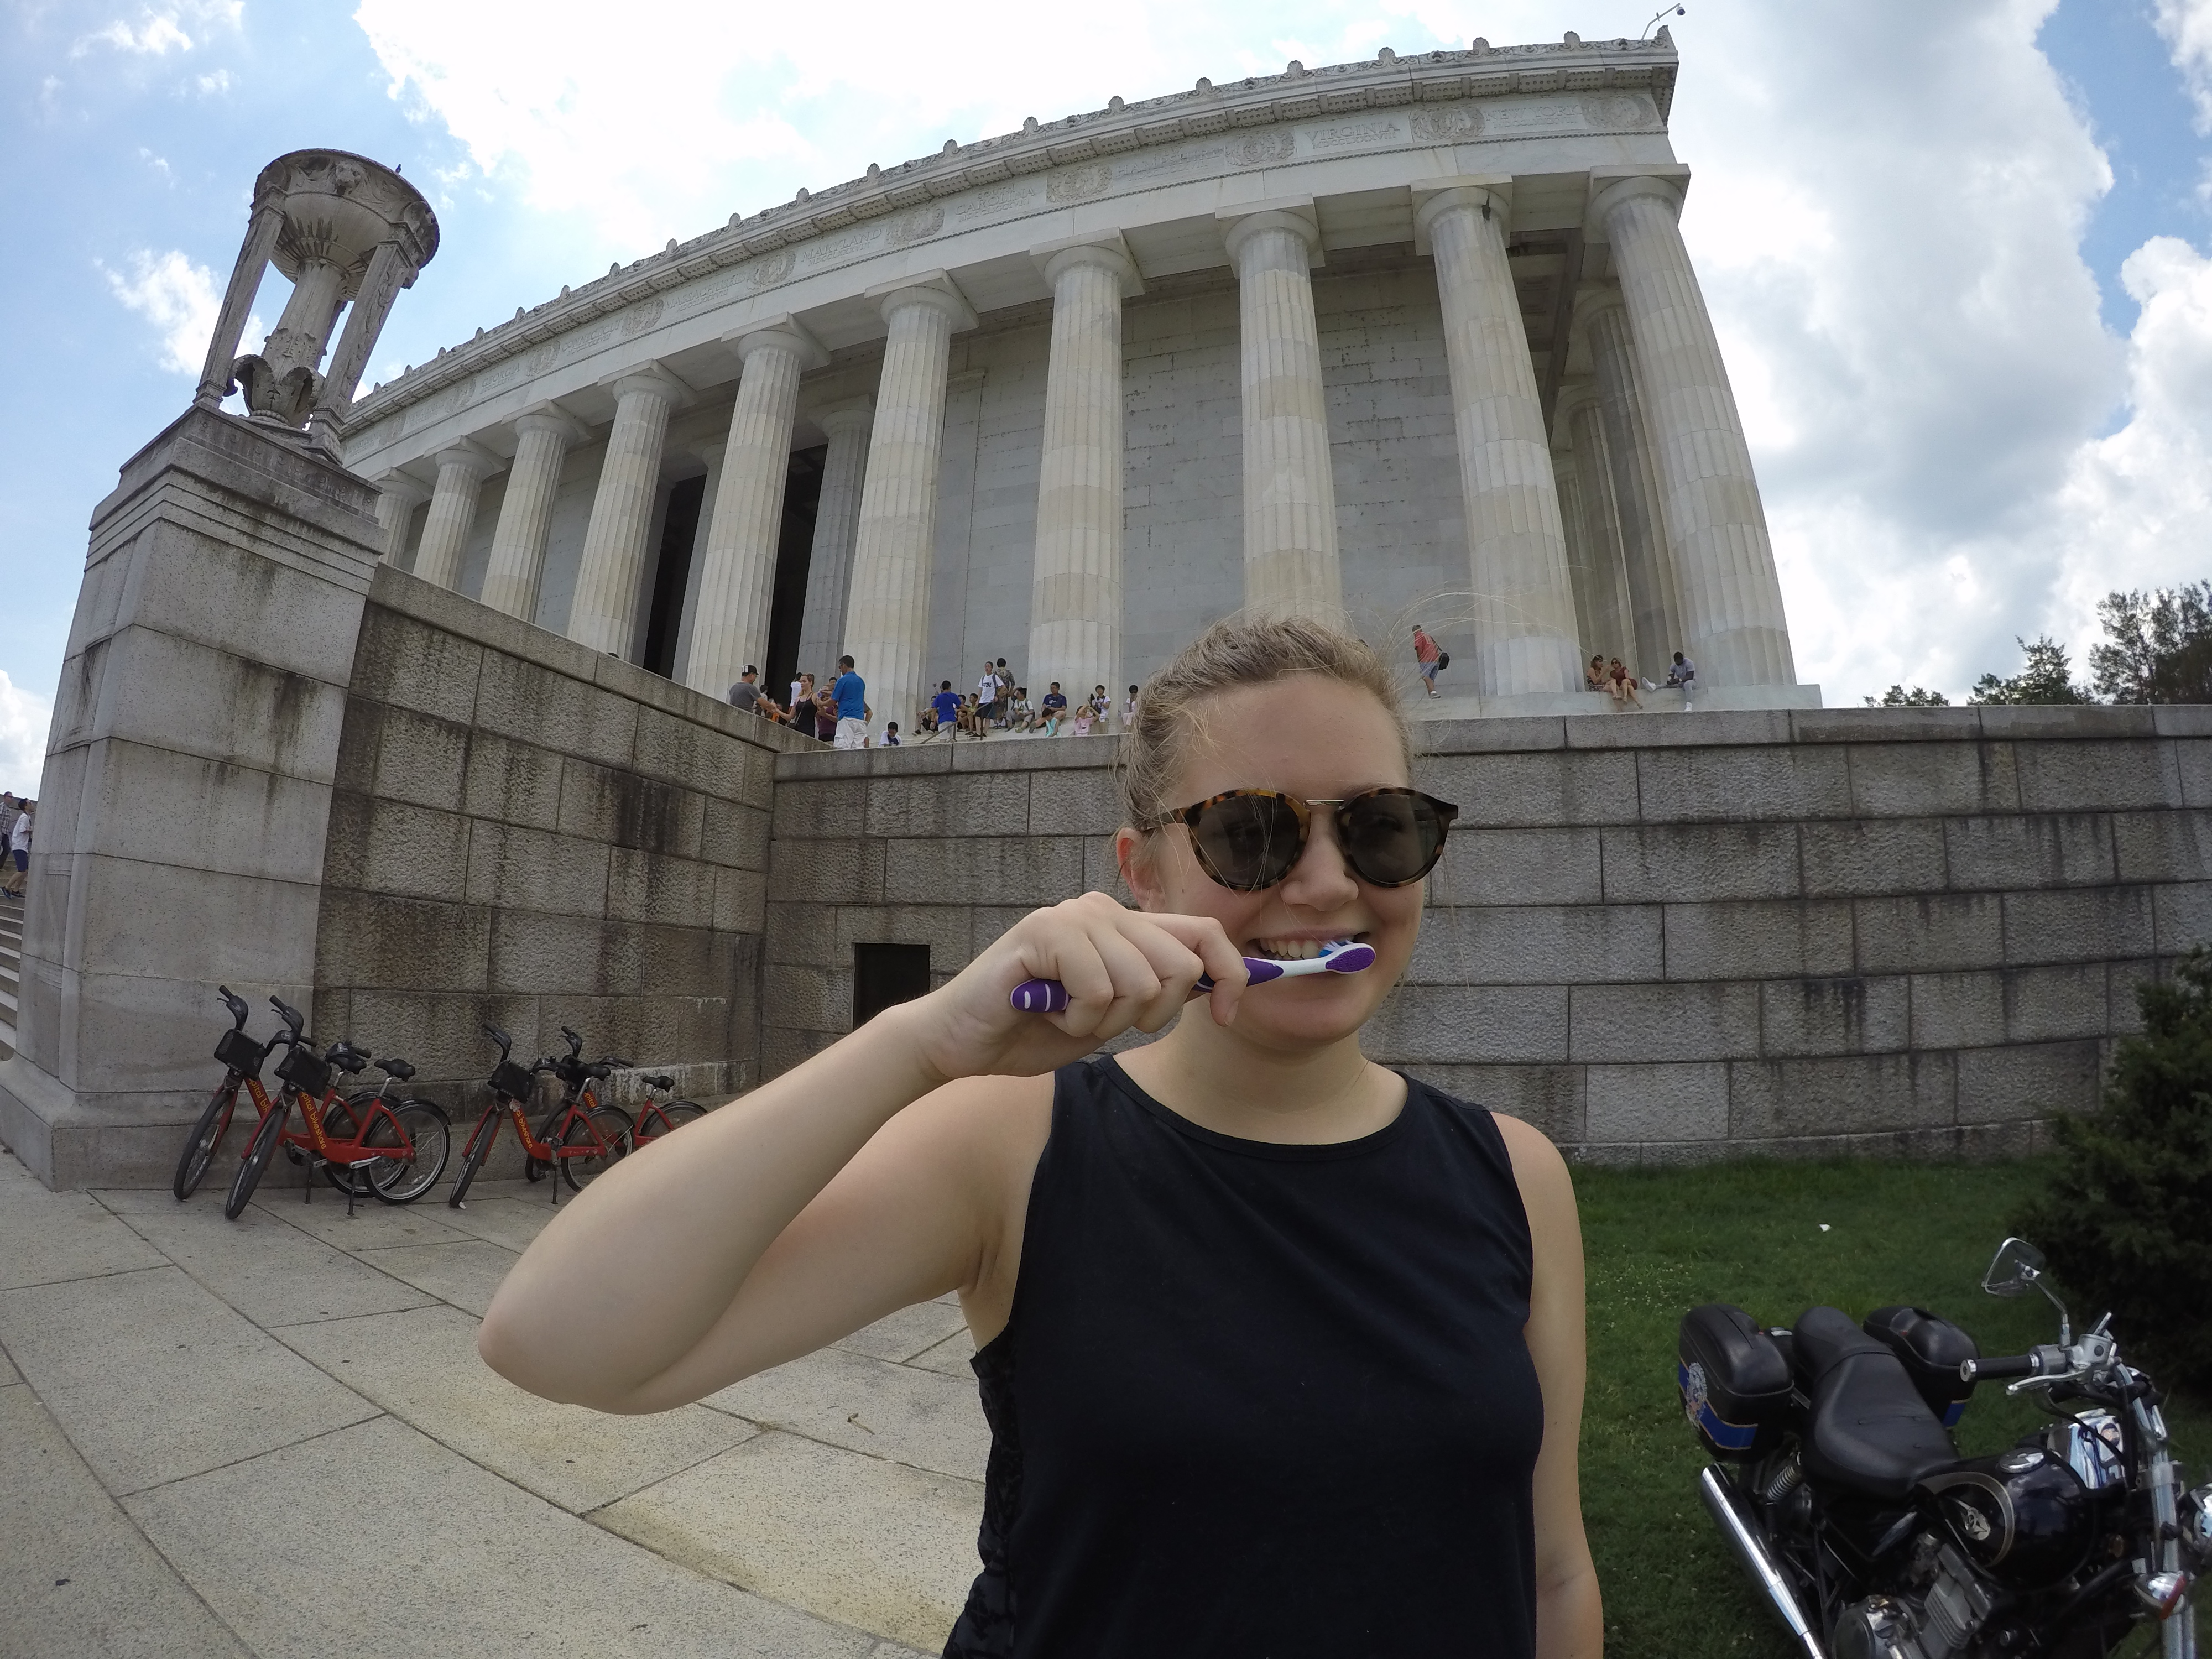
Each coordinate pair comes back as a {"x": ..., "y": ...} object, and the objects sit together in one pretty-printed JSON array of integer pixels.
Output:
[
  {"x": 1724, "y": 573},
  {"x": 395, "y": 511},
  {"x": 1524, "y": 606},
  {"x": 737, "y": 578},
  {"x": 887, "y": 616},
  {"x": 1290, "y": 498},
  {"x": 1655, "y": 602},
  {"x": 526, "y": 515},
  {"x": 1601, "y": 597},
  {"x": 605, "y": 613},
  {"x": 836, "y": 521},
  {"x": 461, "y": 473},
  {"x": 1075, "y": 590}
]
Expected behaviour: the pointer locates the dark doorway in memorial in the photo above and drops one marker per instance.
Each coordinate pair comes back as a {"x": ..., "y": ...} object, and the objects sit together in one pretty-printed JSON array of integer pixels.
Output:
[
  {"x": 794, "y": 555},
  {"x": 671, "y": 576}
]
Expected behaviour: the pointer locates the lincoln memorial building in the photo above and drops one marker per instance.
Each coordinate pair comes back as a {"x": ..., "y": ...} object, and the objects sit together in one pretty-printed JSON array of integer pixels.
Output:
[{"x": 1411, "y": 340}]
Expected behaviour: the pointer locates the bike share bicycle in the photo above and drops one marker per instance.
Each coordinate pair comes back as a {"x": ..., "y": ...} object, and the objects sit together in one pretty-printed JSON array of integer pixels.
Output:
[
  {"x": 578, "y": 1095},
  {"x": 575, "y": 1142},
  {"x": 397, "y": 1149}
]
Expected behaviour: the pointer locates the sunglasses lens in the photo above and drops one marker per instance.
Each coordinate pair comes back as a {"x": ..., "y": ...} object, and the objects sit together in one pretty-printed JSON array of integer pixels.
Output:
[
  {"x": 1249, "y": 841},
  {"x": 1391, "y": 838}
]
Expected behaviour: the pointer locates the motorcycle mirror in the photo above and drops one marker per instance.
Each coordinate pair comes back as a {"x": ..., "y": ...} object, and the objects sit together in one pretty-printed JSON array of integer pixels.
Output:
[{"x": 2017, "y": 1265}]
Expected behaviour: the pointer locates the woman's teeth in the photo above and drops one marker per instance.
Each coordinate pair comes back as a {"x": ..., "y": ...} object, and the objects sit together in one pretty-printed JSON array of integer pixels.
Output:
[{"x": 1292, "y": 949}]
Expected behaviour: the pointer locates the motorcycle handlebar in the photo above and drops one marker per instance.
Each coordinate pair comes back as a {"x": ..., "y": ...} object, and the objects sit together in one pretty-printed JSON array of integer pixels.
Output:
[{"x": 2000, "y": 1368}]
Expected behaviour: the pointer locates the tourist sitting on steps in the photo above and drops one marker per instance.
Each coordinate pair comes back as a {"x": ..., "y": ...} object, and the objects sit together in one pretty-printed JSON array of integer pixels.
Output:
[
  {"x": 1622, "y": 684},
  {"x": 1282, "y": 1349},
  {"x": 1683, "y": 675}
]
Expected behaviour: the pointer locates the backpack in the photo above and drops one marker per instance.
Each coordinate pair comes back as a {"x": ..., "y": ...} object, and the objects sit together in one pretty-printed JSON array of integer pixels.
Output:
[{"x": 1443, "y": 660}]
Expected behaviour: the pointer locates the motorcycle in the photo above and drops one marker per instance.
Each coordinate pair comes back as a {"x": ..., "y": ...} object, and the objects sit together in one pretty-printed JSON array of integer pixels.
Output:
[{"x": 1836, "y": 1485}]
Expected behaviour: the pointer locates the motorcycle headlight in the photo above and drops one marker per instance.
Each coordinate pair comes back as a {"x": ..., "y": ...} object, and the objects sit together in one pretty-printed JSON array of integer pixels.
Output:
[{"x": 2196, "y": 1527}]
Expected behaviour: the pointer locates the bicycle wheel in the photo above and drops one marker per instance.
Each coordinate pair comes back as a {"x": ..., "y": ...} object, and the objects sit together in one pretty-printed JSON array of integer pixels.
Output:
[
  {"x": 207, "y": 1136},
  {"x": 257, "y": 1152},
  {"x": 608, "y": 1126},
  {"x": 342, "y": 1121},
  {"x": 479, "y": 1149},
  {"x": 667, "y": 1118},
  {"x": 403, "y": 1179}
]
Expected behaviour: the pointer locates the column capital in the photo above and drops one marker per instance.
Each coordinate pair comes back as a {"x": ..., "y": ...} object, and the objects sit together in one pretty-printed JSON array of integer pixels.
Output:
[
  {"x": 651, "y": 378},
  {"x": 1611, "y": 186},
  {"x": 402, "y": 486},
  {"x": 1295, "y": 214},
  {"x": 1106, "y": 251},
  {"x": 854, "y": 414},
  {"x": 549, "y": 417},
  {"x": 934, "y": 288},
  {"x": 1489, "y": 194},
  {"x": 783, "y": 332},
  {"x": 480, "y": 462},
  {"x": 1575, "y": 396}
]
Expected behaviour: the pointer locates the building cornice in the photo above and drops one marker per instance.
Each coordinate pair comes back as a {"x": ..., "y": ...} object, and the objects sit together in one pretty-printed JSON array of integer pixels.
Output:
[{"x": 1297, "y": 94}]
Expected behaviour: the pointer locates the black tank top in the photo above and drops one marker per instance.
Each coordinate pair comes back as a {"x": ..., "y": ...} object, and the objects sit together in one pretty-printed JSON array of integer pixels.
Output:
[{"x": 1261, "y": 1401}]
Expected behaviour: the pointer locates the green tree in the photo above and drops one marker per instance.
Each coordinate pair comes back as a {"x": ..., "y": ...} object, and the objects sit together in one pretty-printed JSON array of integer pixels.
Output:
[
  {"x": 2159, "y": 646},
  {"x": 2047, "y": 677},
  {"x": 1918, "y": 698},
  {"x": 2129, "y": 1210}
]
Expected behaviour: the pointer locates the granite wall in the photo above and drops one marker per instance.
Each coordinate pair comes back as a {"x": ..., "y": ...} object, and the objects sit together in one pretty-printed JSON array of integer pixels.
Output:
[
  {"x": 1657, "y": 937},
  {"x": 526, "y": 833}
]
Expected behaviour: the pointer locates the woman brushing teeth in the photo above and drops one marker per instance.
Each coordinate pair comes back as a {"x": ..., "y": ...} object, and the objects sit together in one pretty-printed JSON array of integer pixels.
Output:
[{"x": 1282, "y": 1350}]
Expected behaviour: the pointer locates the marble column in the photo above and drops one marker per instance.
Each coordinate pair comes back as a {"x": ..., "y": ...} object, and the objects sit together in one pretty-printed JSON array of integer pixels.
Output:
[
  {"x": 1655, "y": 602},
  {"x": 605, "y": 614},
  {"x": 1602, "y": 605},
  {"x": 398, "y": 497},
  {"x": 737, "y": 576},
  {"x": 1526, "y": 639},
  {"x": 1289, "y": 499},
  {"x": 461, "y": 473},
  {"x": 1075, "y": 590},
  {"x": 1731, "y": 598},
  {"x": 836, "y": 521},
  {"x": 887, "y": 614},
  {"x": 526, "y": 516}
]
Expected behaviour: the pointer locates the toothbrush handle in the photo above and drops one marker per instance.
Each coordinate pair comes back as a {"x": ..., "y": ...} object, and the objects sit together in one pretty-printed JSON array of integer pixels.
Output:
[{"x": 1049, "y": 996}]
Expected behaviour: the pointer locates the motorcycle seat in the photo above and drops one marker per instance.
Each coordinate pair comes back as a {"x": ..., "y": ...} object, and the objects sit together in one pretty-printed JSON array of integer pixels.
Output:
[{"x": 1870, "y": 1430}]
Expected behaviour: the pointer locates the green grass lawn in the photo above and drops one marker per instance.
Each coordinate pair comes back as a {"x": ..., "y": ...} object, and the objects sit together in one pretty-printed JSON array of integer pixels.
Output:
[{"x": 1661, "y": 1242}]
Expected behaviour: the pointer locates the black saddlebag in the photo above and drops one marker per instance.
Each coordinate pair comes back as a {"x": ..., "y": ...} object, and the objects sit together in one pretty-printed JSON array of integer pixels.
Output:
[
  {"x": 1931, "y": 1350},
  {"x": 1734, "y": 1379}
]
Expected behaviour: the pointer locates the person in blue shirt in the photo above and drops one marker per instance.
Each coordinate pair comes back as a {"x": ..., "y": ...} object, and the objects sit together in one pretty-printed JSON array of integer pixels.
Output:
[
  {"x": 947, "y": 703},
  {"x": 1053, "y": 710},
  {"x": 852, "y": 694}
]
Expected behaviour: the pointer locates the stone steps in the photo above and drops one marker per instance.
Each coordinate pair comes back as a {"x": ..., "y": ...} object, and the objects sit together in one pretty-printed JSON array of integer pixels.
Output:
[{"x": 11, "y": 969}]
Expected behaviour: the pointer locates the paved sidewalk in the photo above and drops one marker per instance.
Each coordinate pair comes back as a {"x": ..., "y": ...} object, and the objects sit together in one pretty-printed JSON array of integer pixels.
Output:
[{"x": 273, "y": 1437}]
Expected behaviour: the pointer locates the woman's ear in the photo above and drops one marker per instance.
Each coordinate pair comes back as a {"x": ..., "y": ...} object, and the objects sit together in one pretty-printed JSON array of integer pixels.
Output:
[{"x": 1135, "y": 851}]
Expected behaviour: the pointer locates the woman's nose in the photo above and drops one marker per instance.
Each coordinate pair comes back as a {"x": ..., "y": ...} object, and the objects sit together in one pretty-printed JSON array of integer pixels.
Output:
[{"x": 1320, "y": 880}]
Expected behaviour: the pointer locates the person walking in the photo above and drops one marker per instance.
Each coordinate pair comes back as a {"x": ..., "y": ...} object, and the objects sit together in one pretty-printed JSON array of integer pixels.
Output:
[
  {"x": 851, "y": 692},
  {"x": 945, "y": 709},
  {"x": 1429, "y": 657},
  {"x": 19, "y": 850},
  {"x": 1282, "y": 1350}
]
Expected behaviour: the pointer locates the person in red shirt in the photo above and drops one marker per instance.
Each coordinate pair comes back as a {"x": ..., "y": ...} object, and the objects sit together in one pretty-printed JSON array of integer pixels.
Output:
[{"x": 1429, "y": 655}]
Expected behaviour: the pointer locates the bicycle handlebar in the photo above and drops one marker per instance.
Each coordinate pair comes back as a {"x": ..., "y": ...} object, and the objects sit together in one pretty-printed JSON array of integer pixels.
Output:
[
  {"x": 236, "y": 1004},
  {"x": 576, "y": 1041},
  {"x": 506, "y": 1043},
  {"x": 618, "y": 1062},
  {"x": 291, "y": 1016}
]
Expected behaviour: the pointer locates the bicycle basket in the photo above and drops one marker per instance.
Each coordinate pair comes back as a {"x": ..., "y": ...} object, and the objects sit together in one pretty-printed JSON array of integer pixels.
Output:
[
  {"x": 513, "y": 1080},
  {"x": 241, "y": 1052},
  {"x": 305, "y": 1070}
]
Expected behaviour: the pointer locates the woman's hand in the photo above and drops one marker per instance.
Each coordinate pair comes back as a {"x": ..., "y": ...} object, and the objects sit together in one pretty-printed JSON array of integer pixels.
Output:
[{"x": 1122, "y": 969}]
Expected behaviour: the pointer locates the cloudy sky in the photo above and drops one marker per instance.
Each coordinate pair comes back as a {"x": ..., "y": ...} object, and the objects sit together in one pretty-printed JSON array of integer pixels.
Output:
[{"x": 1955, "y": 251}]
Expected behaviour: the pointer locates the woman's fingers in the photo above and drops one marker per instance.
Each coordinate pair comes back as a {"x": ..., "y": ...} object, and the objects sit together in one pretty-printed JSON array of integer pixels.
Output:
[
  {"x": 1223, "y": 963},
  {"x": 1133, "y": 983}
]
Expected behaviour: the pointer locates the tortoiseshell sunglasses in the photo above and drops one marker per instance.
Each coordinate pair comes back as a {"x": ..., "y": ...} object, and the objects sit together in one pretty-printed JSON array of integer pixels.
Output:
[{"x": 1248, "y": 838}]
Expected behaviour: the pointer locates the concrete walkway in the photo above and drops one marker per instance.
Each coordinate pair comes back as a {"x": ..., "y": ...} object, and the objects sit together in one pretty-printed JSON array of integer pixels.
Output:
[{"x": 273, "y": 1437}]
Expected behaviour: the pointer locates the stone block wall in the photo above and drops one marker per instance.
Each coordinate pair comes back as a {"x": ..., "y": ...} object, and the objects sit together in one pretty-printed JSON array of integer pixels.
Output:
[
  {"x": 525, "y": 833},
  {"x": 1656, "y": 937}
]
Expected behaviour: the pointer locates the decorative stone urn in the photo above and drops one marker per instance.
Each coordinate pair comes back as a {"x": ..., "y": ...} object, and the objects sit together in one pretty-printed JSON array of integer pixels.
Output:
[{"x": 344, "y": 229}]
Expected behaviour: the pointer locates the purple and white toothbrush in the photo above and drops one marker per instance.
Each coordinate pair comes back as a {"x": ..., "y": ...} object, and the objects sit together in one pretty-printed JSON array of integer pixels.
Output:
[{"x": 1049, "y": 996}]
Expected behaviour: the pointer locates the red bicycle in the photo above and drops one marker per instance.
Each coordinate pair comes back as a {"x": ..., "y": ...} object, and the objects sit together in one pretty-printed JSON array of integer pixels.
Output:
[
  {"x": 399, "y": 1149},
  {"x": 243, "y": 1058},
  {"x": 576, "y": 1142}
]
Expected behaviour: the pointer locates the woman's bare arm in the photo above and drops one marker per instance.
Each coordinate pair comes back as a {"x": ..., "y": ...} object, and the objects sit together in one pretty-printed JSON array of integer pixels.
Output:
[
  {"x": 764, "y": 1230},
  {"x": 1570, "y": 1617}
]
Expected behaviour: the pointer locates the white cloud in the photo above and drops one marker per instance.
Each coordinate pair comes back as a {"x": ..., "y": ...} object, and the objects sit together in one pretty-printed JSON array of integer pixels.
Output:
[
  {"x": 159, "y": 30},
  {"x": 2187, "y": 27},
  {"x": 180, "y": 299},
  {"x": 24, "y": 718},
  {"x": 214, "y": 84}
]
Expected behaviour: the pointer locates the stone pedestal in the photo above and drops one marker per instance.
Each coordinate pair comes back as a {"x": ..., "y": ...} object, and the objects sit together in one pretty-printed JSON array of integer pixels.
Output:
[{"x": 186, "y": 791}]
